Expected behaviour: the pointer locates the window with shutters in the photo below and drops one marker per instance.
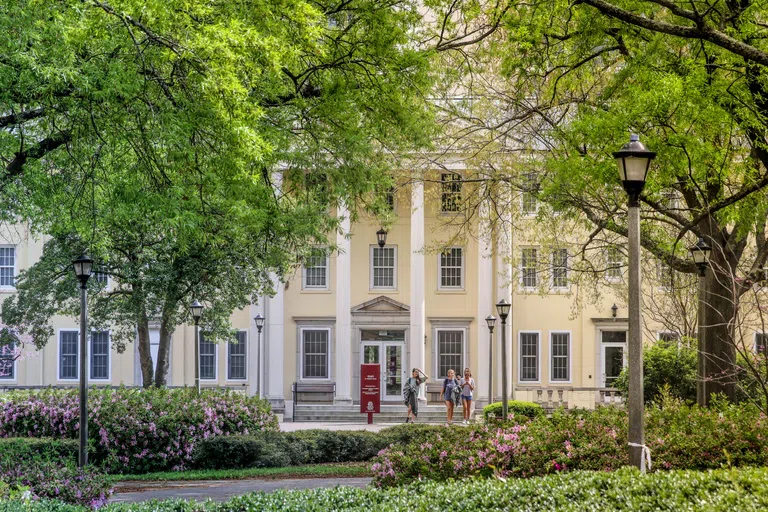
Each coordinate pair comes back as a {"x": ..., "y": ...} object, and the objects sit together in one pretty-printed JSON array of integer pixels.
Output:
[
  {"x": 315, "y": 353},
  {"x": 529, "y": 356}
]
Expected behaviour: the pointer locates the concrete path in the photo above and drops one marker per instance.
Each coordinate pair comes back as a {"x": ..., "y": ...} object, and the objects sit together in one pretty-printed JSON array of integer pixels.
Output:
[
  {"x": 289, "y": 426},
  {"x": 220, "y": 490}
]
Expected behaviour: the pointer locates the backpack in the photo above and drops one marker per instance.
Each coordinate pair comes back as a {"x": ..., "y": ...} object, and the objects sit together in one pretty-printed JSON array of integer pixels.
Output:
[{"x": 456, "y": 391}]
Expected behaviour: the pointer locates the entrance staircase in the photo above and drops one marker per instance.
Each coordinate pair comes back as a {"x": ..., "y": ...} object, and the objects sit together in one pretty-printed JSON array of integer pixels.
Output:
[{"x": 322, "y": 413}]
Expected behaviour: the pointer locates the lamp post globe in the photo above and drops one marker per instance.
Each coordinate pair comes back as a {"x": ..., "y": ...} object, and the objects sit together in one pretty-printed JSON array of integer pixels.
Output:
[
  {"x": 700, "y": 253},
  {"x": 633, "y": 160}
]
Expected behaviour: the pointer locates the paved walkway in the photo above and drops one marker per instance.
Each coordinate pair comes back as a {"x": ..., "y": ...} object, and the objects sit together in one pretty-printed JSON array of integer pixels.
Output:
[
  {"x": 290, "y": 426},
  {"x": 220, "y": 490}
]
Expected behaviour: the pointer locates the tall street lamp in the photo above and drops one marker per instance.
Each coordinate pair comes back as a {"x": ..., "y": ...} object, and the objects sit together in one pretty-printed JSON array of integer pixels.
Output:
[
  {"x": 700, "y": 254},
  {"x": 197, "y": 311},
  {"x": 259, "y": 325},
  {"x": 83, "y": 266},
  {"x": 502, "y": 308},
  {"x": 491, "y": 321},
  {"x": 381, "y": 237},
  {"x": 633, "y": 161}
]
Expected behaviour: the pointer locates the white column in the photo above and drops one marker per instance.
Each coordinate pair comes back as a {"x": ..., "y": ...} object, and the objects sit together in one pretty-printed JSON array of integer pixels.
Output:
[
  {"x": 343, "y": 341},
  {"x": 504, "y": 249},
  {"x": 485, "y": 303},
  {"x": 255, "y": 374},
  {"x": 273, "y": 338},
  {"x": 417, "y": 320}
]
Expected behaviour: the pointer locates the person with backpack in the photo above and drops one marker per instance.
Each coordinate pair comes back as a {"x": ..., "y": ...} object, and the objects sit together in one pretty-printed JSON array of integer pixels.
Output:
[
  {"x": 451, "y": 391},
  {"x": 411, "y": 393},
  {"x": 467, "y": 386}
]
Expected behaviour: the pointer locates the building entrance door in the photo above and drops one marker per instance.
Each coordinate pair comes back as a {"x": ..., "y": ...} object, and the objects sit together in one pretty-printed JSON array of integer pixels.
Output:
[
  {"x": 386, "y": 349},
  {"x": 613, "y": 351}
]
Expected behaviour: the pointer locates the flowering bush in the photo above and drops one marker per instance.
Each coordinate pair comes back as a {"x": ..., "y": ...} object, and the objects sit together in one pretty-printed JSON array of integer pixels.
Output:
[
  {"x": 55, "y": 481},
  {"x": 679, "y": 436},
  {"x": 136, "y": 430}
]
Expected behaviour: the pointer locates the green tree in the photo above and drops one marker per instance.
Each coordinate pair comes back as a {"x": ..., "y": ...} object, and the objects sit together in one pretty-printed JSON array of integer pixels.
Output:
[
  {"x": 194, "y": 148},
  {"x": 666, "y": 364},
  {"x": 558, "y": 87}
]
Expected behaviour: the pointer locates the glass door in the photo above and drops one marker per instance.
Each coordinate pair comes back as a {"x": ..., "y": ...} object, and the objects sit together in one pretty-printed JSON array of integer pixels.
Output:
[
  {"x": 393, "y": 381},
  {"x": 613, "y": 363},
  {"x": 386, "y": 349}
]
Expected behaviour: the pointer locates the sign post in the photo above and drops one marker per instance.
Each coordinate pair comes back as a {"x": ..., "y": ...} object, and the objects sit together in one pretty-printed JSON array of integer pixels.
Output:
[{"x": 370, "y": 390}]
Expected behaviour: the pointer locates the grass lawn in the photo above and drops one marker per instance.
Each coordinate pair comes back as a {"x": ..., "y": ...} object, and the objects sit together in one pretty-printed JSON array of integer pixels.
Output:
[{"x": 356, "y": 469}]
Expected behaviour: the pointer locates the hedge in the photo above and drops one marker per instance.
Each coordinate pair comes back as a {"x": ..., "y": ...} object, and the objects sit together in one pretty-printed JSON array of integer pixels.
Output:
[
  {"x": 528, "y": 410},
  {"x": 18, "y": 450},
  {"x": 724, "y": 490}
]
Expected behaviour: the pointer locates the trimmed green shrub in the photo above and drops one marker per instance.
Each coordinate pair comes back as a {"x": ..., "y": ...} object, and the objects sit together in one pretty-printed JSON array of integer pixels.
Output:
[
  {"x": 528, "y": 410},
  {"x": 666, "y": 364},
  {"x": 18, "y": 450},
  {"x": 724, "y": 490}
]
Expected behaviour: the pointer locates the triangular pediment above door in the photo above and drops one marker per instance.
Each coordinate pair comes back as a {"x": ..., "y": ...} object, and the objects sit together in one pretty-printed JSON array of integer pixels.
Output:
[{"x": 381, "y": 304}]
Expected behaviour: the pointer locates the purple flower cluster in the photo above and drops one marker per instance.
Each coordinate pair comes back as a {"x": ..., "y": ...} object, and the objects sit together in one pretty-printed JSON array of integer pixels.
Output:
[
  {"x": 55, "y": 481},
  {"x": 136, "y": 430}
]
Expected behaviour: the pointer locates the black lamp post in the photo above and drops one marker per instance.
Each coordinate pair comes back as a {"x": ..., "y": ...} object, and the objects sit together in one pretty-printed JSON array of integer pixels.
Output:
[
  {"x": 700, "y": 254},
  {"x": 83, "y": 267},
  {"x": 197, "y": 311},
  {"x": 381, "y": 237},
  {"x": 491, "y": 321},
  {"x": 502, "y": 308},
  {"x": 633, "y": 161},
  {"x": 259, "y": 325}
]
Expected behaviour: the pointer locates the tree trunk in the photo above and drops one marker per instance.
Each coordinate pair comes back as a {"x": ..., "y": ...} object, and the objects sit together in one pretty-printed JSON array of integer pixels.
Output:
[
  {"x": 163, "y": 351},
  {"x": 718, "y": 322},
  {"x": 145, "y": 352}
]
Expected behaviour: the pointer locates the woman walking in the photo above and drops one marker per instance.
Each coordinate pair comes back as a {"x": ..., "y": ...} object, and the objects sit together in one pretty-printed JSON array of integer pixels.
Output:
[
  {"x": 467, "y": 386},
  {"x": 449, "y": 385},
  {"x": 411, "y": 392}
]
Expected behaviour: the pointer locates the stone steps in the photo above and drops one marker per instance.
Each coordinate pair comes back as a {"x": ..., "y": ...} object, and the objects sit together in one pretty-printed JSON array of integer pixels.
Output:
[{"x": 351, "y": 414}]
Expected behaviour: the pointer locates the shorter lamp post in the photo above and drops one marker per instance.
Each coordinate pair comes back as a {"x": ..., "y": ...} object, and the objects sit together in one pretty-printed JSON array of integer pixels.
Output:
[
  {"x": 83, "y": 266},
  {"x": 491, "y": 321},
  {"x": 502, "y": 308},
  {"x": 700, "y": 254},
  {"x": 197, "y": 311},
  {"x": 381, "y": 237},
  {"x": 259, "y": 325}
]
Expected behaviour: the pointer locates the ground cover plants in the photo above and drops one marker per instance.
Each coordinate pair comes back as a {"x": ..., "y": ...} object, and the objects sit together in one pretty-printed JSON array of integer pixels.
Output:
[
  {"x": 723, "y": 490},
  {"x": 680, "y": 436}
]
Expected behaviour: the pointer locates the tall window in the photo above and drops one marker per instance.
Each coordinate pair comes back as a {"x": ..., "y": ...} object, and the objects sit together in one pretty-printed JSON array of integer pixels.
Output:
[
  {"x": 614, "y": 261},
  {"x": 669, "y": 336},
  {"x": 236, "y": 352},
  {"x": 665, "y": 275},
  {"x": 561, "y": 356},
  {"x": 452, "y": 268},
  {"x": 529, "y": 356},
  {"x": 450, "y": 352},
  {"x": 315, "y": 349},
  {"x": 383, "y": 267},
  {"x": 8, "y": 266},
  {"x": 671, "y": 199},
  {"x": 99, "y": 355},
  {"x": 390, "y": 199},
  {"x": 101, "y": 278},
  {"x": 528, "y": 264},
  {"x": 68, "y": 355},
  {"x": 8, "y": 362},
  {"x": 315, "y": 273},
  {"x": 560, "y": 268},
  {"x": 761, "y": 339},
  {"x": 530, "y": 202},
  {"x": 450, "y": 187},
  {"x": 207, "y": 359}
]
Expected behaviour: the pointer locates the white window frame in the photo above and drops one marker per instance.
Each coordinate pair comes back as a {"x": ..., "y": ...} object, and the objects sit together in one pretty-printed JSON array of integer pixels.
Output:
[
  {"x": 215, "y": 361},
  {"x": 372, "y": 284},
  {"x": 520, "y": 357},
  {"x": 754, "y": 338},
  {"x": 304, "y": 285},
  {"x": 301, "y": 352},
  {"x": 552, "y": 263},
  {"x": 58, "y": 356},
  {"x": 109, "y": 279},
  {"x": 462, "y": 268},
  {"x": 90, "y": 355},
  {"x": 610, "y": 263},
  {"x": 14, "y": 368},
  {"x": 535, "y": 268},
  {"x": 529, "y": 179},
  {"x": 15, "y": 266},
  {"x": 464, "y": 351},
  {"x": 245, "y": 358},
  {"x": 552, "y": 358}
]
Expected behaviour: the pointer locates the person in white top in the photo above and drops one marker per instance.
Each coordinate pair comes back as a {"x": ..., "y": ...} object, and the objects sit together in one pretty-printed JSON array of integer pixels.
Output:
[{"x": 467, "y": 386}]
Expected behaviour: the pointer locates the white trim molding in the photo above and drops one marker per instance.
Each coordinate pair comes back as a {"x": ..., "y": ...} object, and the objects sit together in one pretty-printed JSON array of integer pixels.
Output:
[{"x": 520, "y": 379}]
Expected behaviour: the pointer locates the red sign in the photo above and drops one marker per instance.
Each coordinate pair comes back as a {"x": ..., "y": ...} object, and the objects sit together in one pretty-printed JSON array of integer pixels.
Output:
[{"x": 370, "y": 389}]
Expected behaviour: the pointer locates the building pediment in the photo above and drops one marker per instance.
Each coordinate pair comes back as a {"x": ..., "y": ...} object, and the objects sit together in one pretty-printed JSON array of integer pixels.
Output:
[{"x": 381, "y": 304}]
